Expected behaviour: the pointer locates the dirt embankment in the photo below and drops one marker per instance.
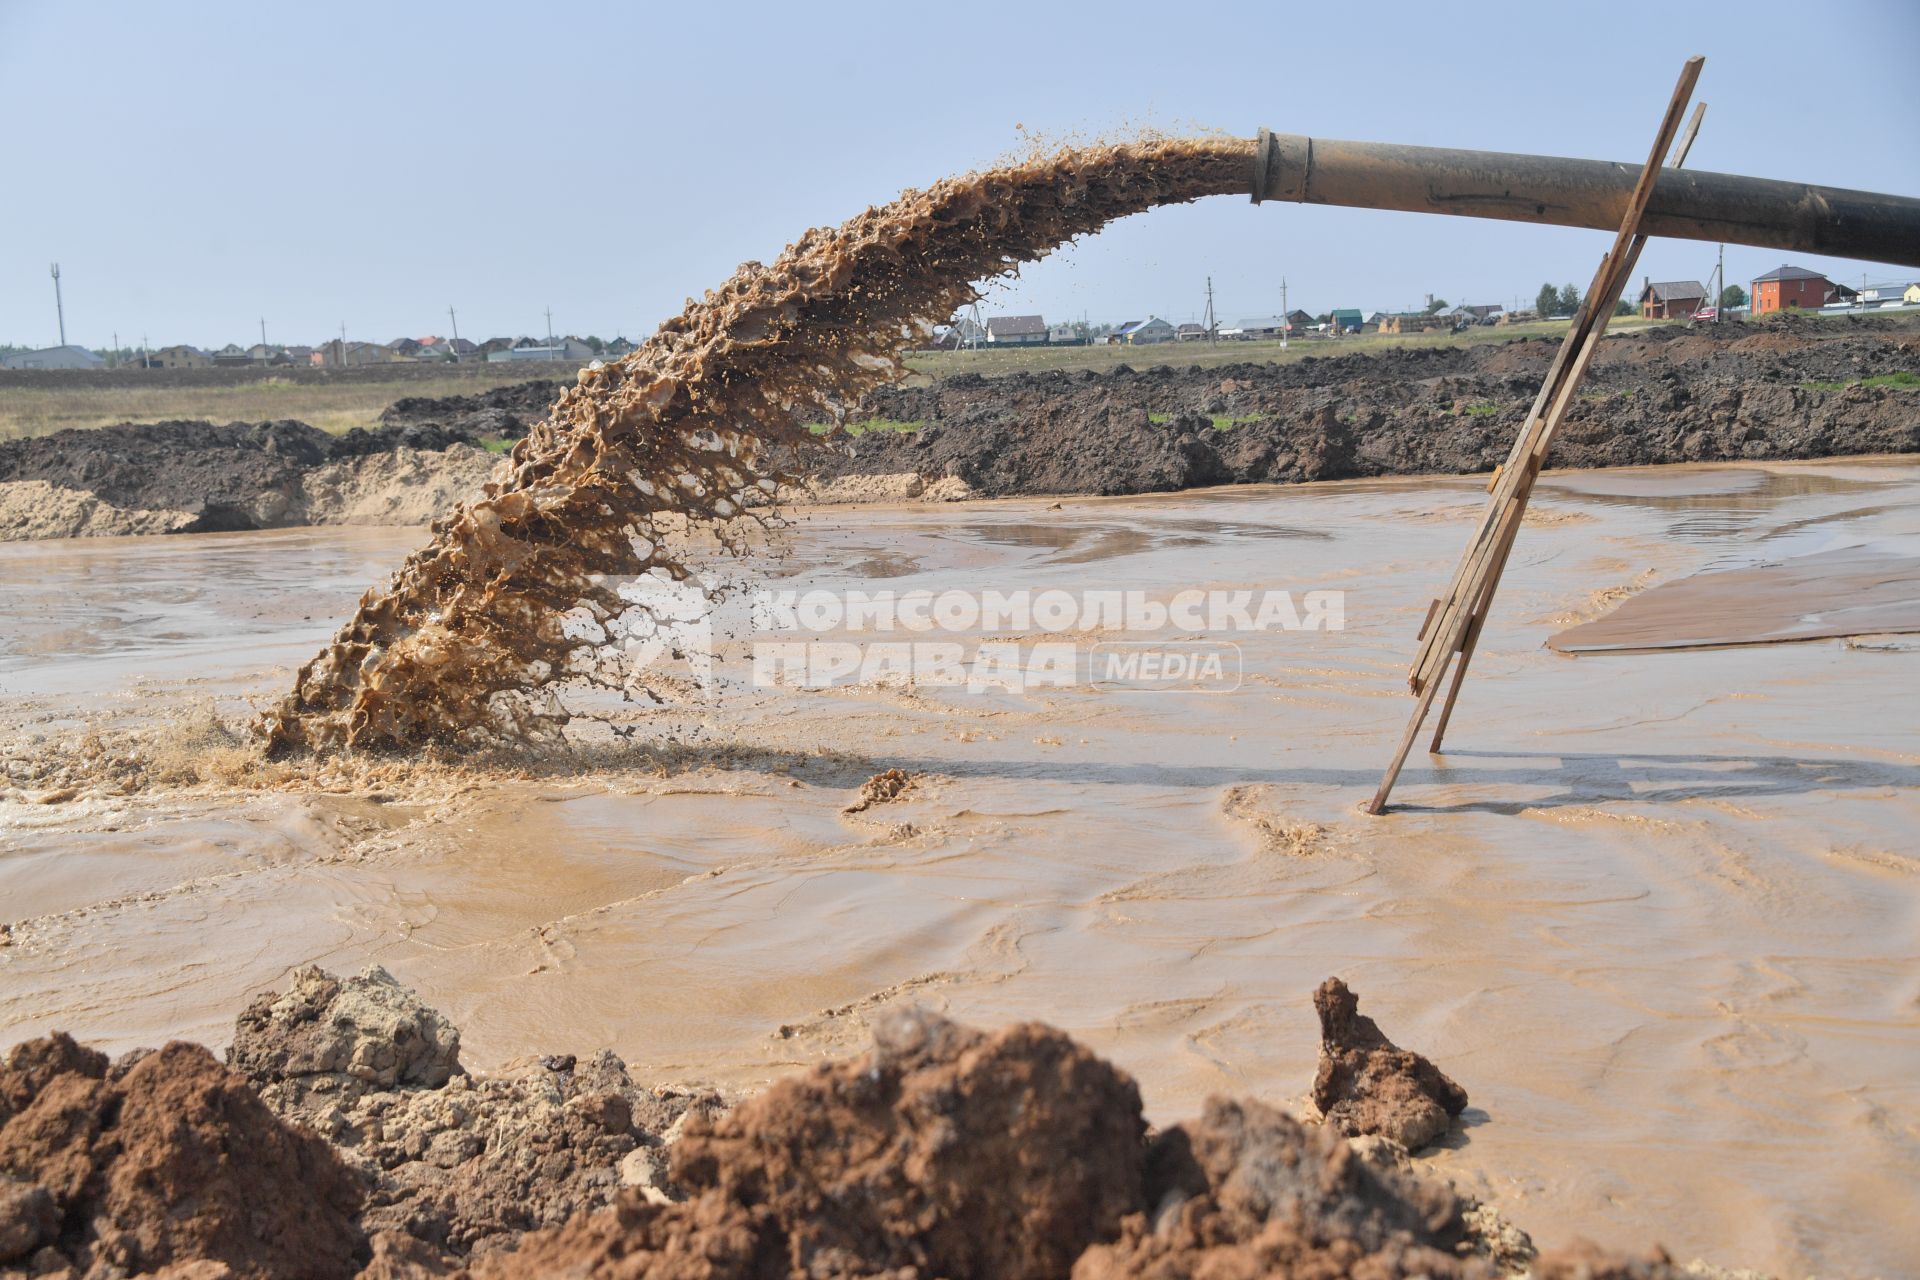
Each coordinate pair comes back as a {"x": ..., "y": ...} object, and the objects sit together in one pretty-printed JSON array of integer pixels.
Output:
[
  {"x": 1666, "y": 395},
  {"x": 201, "y": 477},
  {"x": 343, "y": 1138}
]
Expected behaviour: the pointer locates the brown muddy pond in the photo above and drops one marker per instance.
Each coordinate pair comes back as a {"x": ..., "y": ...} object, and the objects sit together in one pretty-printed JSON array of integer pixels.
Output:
[{"x": 1659, "y": 913}]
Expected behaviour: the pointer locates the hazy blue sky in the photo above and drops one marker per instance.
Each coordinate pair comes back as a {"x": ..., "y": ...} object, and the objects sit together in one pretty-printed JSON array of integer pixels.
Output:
[{"x": 196, "y": 166}]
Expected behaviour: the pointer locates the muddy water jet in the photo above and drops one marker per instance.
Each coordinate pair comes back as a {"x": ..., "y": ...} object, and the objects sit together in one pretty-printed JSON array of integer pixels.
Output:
[{"x": 519, "y": 589}]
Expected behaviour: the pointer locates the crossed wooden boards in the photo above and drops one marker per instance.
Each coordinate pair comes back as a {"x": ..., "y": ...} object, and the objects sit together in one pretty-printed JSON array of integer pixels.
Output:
[{"x": 1454, "y": 620}]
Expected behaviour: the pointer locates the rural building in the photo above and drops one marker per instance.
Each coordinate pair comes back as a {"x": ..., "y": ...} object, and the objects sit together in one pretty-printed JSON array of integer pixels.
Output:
[
  {"x": 1064, "y": 335},
  {"x": 492, "y": 345},
  {"x": 618, "y": 347},
  {"x": 1345, "y": 320},
  {"x": 1258, "y": 327},
  {"x": 1017, "y": 331},
  {"x": 67, "y": 357},
  {"x": 1671, "y": 299},
  {"x": 1892, "y": 294},
  {"x": 179, "y": 357},
  {"x": 563, "y": 349},
  {"x": 1140, "y": 333},
  {"x": 1477, "y": 313},
  {"x": 408, "y": 347},
  {"x": 232, "y": 354},
  {"x": 337, "y": 354},
  {"x": 1191, "y": 333},
  {"x": 1790, "y": 286},
  {"x": 1299, "y": 319}
]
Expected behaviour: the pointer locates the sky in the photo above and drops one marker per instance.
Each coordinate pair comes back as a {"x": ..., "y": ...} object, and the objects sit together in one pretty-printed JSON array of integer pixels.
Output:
[{"x": 197, "y": 167}]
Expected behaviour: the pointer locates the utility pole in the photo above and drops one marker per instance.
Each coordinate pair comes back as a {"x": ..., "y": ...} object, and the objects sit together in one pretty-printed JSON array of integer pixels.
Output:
[
  {"x": 59, "y": 306},
  {"x": 456, "y": 331},
  {"x": 343, "y": 344},
  {"x": 1213, "y": 319},
  {"x": 146, "y": 360},
  {"x": 1719, "y": 297},
  {"x": 116, "y": 350},
  {"x": 551, "y": 355},
  {"x": 1286, "y": 323},
  {"x": 263, "y": 331}
]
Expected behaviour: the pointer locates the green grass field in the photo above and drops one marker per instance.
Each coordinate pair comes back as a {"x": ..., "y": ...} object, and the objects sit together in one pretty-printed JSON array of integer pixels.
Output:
[
  {"x": 28, "y": 409},
  {"x": 993, "y": 363}
]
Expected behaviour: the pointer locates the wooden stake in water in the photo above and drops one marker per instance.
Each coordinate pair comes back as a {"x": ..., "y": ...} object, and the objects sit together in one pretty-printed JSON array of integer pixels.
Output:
[{"x": 1454, "y": 621}]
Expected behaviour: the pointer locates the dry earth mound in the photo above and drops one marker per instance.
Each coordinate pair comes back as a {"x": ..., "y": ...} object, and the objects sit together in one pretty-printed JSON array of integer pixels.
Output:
[
  {"x": 161, "y": 1158},
  {"x": 201, "y": 477},
  {"x": 944, "y": 1151},
  {"x": 1665, "y": 395},
  {"x": 456, "y": 1164}
]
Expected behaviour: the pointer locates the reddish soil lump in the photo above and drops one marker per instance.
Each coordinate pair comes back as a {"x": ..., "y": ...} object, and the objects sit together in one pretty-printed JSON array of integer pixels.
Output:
[
  {"x": 164, "y": 1157},
  {"x": 948, "y": 1152},
  {"x": 1368, "y": 1085}
]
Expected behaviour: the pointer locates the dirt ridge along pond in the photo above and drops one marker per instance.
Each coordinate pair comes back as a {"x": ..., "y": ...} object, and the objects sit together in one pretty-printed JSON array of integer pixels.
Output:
[{"x": 1806, "y": 389}]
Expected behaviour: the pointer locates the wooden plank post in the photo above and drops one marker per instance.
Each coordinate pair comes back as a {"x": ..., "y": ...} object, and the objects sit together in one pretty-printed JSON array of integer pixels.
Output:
[
  {"x": 1454, "y": 621},
  {"x": 1561, "y": 405}
]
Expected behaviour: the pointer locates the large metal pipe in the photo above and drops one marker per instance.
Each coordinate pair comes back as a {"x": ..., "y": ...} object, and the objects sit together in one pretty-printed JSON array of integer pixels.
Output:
[{"x": 1687, "y": 204}]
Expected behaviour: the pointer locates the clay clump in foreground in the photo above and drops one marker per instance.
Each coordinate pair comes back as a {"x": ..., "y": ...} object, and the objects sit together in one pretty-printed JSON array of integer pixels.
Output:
[
  {"x": 943, "y": 1152},
  {"x": 162, "y": 1158},
  {"x": 456, "y": 1165},
  {"x": 949, "y": 1152},
  {"x": 1367, "y": 1085}
]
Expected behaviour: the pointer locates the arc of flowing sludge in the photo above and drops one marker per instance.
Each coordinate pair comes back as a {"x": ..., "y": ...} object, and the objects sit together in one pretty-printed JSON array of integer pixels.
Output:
[{"x": 516, "y": 590}]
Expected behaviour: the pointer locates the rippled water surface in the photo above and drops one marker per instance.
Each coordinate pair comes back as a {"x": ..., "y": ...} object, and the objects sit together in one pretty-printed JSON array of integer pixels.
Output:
[{"x": 1660, "y": 914}]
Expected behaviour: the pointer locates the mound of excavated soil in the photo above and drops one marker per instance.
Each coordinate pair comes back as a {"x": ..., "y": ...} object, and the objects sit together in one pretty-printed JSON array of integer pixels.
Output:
[
  {"x": 947, "y": 1152},
  {"x": 944, "y": 1151},
  {"x": 1666, "y": 395},
  {"x": 507, "y": 412},
  {"x": 456, "y": 1165},
  {"x": 161, "y": 1158},
  {"x": 199, "y": 477}
]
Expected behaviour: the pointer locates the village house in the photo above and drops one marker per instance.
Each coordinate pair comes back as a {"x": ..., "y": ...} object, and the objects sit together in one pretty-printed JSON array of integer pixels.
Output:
[
  {"x": 67, "y": 357},
  {"x": 1345, "y": 320},
  {"x": 1894, "y": 294},
  {"x": 1064, "y": 335},
  {"x": 1017, "y": 331},
  {"x": 1190, "y": 333},
  {"x": 179, "y": 357},
  {"x": 1140, "y": 333},
  {"x": 1671, "y": 299},
  {"x": 1789, "y": 286},
  {"x": 1299, "y": 320},
  {"x": 232, "y": 354}
]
